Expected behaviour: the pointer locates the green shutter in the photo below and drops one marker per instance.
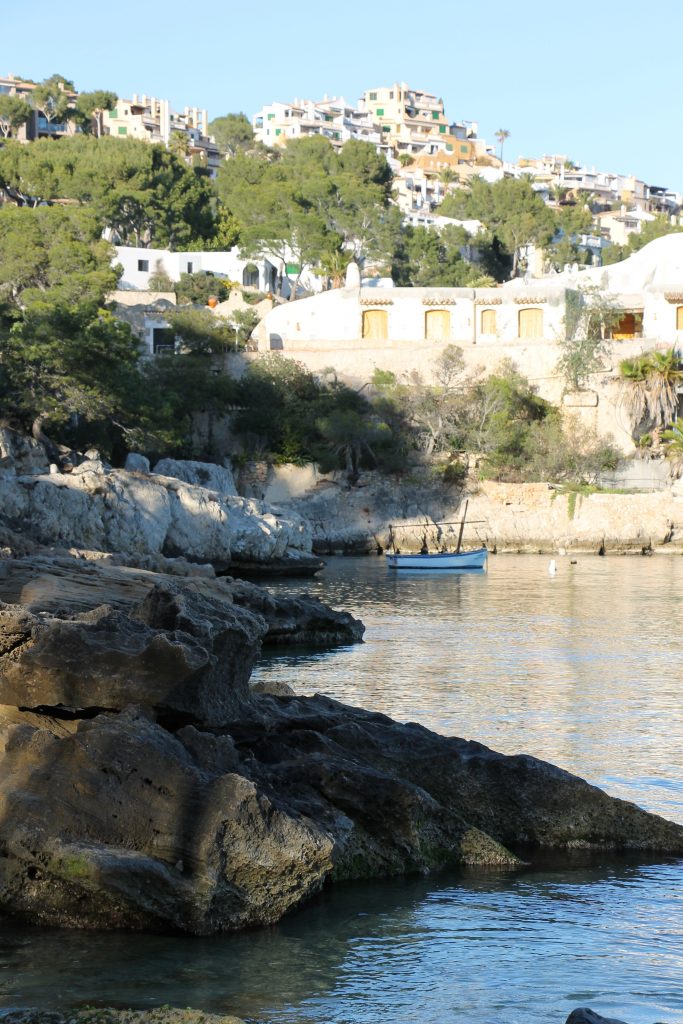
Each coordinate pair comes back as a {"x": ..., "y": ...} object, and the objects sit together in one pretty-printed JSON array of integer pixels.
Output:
[
  {"x": 449, "y": 148},
  {"x": 114, "y": 113},
  {"x": 386, "y": 128},
  {"x": 278, "y": 131},
  {"x": 292, "y": 268},
  {"x": 435, "y": 115},
  {"x": 464, "y": 149},
  {"x": 442, "y": 129},
  {"x": 123, "y": 130},
  {"x": 380, "y": 111},
  {"x": 271, "y": 116}
]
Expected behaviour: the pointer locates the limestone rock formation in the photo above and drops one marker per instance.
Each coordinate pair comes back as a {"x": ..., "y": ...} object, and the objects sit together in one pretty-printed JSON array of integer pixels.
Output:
[
  {"x": 144, "y": 785},
  {"x": 202, "y": 474},
  {"x": 128, "y": 512}
]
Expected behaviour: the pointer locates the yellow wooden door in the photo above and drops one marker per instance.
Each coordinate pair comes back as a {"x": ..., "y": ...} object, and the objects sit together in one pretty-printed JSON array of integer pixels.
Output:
[
  {"x": 488, "y": 321},
  {"x": 530, "y": 323},
  {"x": 437, "y": 325},
  {"x": 375, "y": 324}
]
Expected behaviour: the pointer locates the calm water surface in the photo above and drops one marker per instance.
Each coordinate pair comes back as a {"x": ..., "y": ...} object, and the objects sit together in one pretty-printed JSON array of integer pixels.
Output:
[{"x": 583, "y": 669}]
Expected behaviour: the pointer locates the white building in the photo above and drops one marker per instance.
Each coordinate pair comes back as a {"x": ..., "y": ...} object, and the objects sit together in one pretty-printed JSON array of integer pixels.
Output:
[
  {"x": 153, "y": 120},
  {"x": 265, "y": 273},
  {"x": 359, "y": 329},
  {"x": 334, "y": 119}
]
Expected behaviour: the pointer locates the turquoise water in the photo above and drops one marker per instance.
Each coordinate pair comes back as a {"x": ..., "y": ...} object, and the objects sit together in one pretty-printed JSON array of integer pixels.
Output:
[{"x": 583, "y": 669}]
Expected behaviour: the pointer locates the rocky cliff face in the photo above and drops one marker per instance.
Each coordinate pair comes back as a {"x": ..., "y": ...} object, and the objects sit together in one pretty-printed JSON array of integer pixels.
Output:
[
  {"x": 527, "y": 518},
  {"x": 144, "y": 785}
]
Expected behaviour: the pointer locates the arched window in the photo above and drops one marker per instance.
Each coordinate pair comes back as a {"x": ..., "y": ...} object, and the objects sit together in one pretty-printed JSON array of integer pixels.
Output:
[
  {"x": 437, "y": 325},
  {"x": 530, "y": 323},
  {"x": 488, "y": 321},
  {"x": 375, "y": 324},
  {"x": 679, "y": 318},
  {"x": 250, "y": 276}
]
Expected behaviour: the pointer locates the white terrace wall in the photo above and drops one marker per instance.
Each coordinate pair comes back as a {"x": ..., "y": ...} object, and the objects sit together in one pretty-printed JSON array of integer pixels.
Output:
[{"x": 327, "y": 331}]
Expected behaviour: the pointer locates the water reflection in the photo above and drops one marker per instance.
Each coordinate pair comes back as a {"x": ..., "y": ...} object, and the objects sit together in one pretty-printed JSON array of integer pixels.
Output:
[
  {"x": 485, "y": 947},
  {"x": 581, "y": 668}
]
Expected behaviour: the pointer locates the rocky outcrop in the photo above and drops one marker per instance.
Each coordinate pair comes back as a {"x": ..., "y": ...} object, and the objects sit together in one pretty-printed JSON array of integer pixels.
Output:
[
  {"x": 144, "y": 515},
  {"x": 144, "y": 785}
]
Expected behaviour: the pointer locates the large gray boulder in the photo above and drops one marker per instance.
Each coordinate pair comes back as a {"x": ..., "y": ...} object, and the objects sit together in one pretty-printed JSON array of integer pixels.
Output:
[
  {"x": 21, "y": 454},
  {"x": 202, "y": 474}
]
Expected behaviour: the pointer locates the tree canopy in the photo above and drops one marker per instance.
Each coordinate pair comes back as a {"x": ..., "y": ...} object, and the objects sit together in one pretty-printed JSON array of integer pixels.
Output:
[
  {"x": 513, "y": 214},
  {"x": 233, "y": 133},
  {"x": 145, "y": 194},
  {"x": 311, "y": 202}
]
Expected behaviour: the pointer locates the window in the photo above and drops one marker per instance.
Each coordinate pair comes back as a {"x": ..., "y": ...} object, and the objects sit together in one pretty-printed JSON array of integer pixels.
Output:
[
  {"x": 679, "y": 318},
  {"x": 630, "y": 326},
  {"x": 386, "y": 128},
  {"x": 464, "y": 149},
  {"x": 442, "y": 129},
  {"x": 271, "y": 117},
  {"x": 163, "y": 340},
  {"x": 373, "y": 95},
  {"x": 380, "y": 111},
  {"x": 437, "y": 325},
  {"x": 376, "y": 324},
  {"x": 530, "y": 323},
  {"x": 250, "y": 276},
  {"x": 143, "y": 266},
  {"x": 278, "y": 131},
  {"x": 190, "y": 267},
  {"x": 435, "y": 115},
  {"x": 488, "y": 321},
  {"x": 391, "y": 95},
  {"x": 114, "y": 113},
  {"x": 123, "y": 130}
]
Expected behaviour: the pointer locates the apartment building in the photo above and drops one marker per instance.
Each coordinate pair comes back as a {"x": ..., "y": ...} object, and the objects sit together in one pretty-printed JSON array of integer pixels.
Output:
[
  {"x": 334, "y": 119},
  {"x": 413, "y": 121},
  {"x": 153, "y": 120},
  {"x": 39, "y": 126}
]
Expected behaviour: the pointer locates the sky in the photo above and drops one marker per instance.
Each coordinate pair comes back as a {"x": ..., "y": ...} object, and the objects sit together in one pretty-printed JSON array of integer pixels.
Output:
[{"x": 599, "y": 82}]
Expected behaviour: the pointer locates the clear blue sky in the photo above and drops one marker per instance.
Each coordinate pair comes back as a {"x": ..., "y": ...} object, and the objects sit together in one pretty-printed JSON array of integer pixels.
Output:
[{"x": 598, "y": 81}]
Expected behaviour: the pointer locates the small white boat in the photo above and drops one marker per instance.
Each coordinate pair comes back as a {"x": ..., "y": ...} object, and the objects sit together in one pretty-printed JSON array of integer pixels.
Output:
[
  {"x": 440, "y": 560},
  {"x": 458, "y": 559}
]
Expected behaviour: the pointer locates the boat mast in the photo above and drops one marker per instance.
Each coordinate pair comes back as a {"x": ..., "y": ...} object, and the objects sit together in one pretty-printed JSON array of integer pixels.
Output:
[{"x": 462, "y": 528}]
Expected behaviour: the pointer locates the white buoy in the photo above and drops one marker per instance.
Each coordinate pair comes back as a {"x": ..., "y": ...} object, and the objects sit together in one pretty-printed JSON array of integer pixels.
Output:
[{"x": 552, "y": 567}]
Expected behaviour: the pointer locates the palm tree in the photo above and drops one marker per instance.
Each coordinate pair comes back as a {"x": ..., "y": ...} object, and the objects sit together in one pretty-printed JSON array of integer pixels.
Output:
[
  {"x": 649, "y": 384},
  {"x": 502, "y": 134}
]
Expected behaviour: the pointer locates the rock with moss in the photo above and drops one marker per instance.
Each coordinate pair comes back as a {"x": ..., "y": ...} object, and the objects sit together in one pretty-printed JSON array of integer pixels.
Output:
[{"x": 109, "y": 1015}]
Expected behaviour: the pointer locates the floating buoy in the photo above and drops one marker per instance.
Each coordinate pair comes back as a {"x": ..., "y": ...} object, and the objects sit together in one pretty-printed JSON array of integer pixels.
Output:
[{"x": 552, "y": 567}]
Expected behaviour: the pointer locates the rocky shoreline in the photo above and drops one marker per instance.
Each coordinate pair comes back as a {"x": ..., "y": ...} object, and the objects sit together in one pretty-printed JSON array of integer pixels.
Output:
[
  {"x": 171, "y": 1015},
  {"x": 507, "y": 518},
  {"x": 144, "y": 785}
]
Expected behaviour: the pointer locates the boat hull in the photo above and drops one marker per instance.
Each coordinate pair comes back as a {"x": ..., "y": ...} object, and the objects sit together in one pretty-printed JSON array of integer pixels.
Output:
[{"x": 449, "y": 560}]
